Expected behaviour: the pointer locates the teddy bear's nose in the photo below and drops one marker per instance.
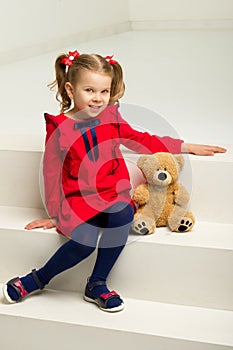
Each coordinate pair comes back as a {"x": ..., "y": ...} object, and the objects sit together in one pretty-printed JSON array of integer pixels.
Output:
[{"x": 162, "y": 176}]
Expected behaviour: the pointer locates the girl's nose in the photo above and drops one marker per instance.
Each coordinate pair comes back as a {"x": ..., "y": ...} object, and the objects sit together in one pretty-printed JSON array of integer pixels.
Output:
[{"x": 97, "y": 96}]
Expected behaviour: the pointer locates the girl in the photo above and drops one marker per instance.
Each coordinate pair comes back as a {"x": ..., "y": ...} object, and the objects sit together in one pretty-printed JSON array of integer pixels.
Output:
[{"x": 86, "y": 180}]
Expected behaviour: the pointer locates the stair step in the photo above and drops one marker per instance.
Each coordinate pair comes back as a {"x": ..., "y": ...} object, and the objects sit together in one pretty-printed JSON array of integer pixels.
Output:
[
  {"x": 19, "y": 184},
  {"x": 203, "y": 235},
  {"x": 147, "y": 324},
  {"x": 204, "y": 178},
  {"x": 195, "y": 268}
]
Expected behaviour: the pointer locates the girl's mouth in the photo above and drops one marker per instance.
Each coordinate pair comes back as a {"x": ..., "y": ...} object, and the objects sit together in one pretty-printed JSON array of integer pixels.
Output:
[{"x": 95, "y": 107}]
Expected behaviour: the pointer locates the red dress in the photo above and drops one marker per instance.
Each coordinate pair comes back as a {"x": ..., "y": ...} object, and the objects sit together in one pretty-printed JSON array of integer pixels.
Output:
[{"x": 84, "y": 170}]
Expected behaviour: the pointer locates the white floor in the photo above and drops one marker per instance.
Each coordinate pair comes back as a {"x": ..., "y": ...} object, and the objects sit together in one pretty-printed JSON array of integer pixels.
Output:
[
  {"x": 74, "y": 311},
  {"x": 184, "y": 76}
]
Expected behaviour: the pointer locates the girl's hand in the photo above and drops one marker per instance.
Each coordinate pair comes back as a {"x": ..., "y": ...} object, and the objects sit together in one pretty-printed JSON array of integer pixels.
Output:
[
  {"x": 201, "y": 150},
  {"x": 41, "y": 223}
]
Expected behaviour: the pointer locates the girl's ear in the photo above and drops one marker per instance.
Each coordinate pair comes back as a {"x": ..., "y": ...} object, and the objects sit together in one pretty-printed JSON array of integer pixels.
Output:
[{"x": 69, "y": 90}]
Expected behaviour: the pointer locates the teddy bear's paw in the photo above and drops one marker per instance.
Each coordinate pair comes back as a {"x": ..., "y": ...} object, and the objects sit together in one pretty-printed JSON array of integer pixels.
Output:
[
  {"x": 141, "y": 228},
  {"x": 185, "y": 225}
]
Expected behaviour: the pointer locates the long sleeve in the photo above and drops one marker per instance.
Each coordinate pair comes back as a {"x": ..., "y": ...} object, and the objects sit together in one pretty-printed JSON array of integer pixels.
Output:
[
  {"x": 143, "y": 142},
  {"x": 52, "y": 165}
]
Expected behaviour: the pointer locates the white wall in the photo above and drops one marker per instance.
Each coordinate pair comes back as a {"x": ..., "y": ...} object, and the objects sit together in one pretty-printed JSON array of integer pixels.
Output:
[
  {"x": 180, "y": 9},
  {"x": 29, "y": 22},
  {"x": 193, "y": 72}
]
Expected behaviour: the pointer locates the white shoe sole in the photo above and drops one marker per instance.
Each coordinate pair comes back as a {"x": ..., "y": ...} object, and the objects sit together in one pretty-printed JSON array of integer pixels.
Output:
[
  {"x": 11, "y": 301},
  {"x": 6, "y": 295},
  {"x": 113, "y": 309}
]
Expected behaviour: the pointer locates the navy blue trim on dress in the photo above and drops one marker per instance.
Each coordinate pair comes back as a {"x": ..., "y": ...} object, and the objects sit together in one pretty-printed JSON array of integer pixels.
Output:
[
  {"x": 95, "y": 143},
  {"x": 82, "y": 126},
  {"x": 90, "y": 123}
]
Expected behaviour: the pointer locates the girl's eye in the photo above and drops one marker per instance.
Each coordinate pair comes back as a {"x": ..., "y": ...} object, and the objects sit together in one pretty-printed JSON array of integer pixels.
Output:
[
  {"x": 89, "y": 90},
  {"x": 105, "y": 91}
]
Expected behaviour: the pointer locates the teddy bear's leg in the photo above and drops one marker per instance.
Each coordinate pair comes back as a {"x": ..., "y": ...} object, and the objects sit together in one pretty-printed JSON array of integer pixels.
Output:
[
  {"x": 143, "y": 223},
  {"x": 181, "y": 220}
]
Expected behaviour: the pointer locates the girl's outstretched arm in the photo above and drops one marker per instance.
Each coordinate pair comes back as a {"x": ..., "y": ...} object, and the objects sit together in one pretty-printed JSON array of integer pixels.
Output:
[{"x": 201, "y": 150}]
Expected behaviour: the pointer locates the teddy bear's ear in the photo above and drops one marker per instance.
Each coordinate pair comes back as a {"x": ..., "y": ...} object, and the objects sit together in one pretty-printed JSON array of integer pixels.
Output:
[
  {"x": 141, "y": 161},
  {"x": 180, "y": 160}
]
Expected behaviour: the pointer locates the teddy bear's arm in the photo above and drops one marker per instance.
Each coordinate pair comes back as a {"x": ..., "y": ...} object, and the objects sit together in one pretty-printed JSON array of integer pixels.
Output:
[
  {"x": 181, "y": 195},
  {"x": 141, "y": 194}
]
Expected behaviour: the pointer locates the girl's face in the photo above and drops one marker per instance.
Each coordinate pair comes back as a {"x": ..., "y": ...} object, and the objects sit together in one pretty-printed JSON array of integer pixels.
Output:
[{"x": 90, "y": 94}]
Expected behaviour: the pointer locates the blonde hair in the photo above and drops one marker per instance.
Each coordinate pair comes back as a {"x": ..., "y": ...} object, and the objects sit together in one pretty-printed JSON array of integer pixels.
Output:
[{"x": 92, "y": 62}]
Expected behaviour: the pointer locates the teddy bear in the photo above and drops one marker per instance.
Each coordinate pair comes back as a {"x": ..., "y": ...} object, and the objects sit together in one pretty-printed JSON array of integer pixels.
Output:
[{"x": 161, "y": 200}]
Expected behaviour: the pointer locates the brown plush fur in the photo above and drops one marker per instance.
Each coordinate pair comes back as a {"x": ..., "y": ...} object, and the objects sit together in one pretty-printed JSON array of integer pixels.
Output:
[{"x": 162, "y": 200}]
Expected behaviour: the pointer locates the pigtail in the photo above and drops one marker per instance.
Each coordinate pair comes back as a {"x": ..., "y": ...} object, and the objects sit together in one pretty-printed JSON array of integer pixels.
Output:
[
  {"x": 118, "y": 86},
  {"x": 60, "y": 81},
  {"x": 67, "y": 68}
]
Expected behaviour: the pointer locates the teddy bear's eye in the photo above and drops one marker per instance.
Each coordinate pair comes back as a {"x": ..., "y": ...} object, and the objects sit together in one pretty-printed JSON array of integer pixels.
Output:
[
  {"x": 158, "y": 169},
  {"x": 165, "y": 169}
]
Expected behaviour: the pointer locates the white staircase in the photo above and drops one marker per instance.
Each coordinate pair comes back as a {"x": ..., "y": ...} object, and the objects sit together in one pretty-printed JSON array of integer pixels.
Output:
[{"x": 178, "y": 288}]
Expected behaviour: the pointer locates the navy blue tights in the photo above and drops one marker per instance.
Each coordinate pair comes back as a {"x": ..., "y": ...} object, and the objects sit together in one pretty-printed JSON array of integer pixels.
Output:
[{"x": 115, "y": 222}]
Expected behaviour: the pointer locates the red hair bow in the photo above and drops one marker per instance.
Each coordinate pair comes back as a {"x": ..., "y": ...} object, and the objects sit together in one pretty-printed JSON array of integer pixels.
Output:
[
  {"x": 71, "y": 57},
  {"x": 109, "y": 60}
]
